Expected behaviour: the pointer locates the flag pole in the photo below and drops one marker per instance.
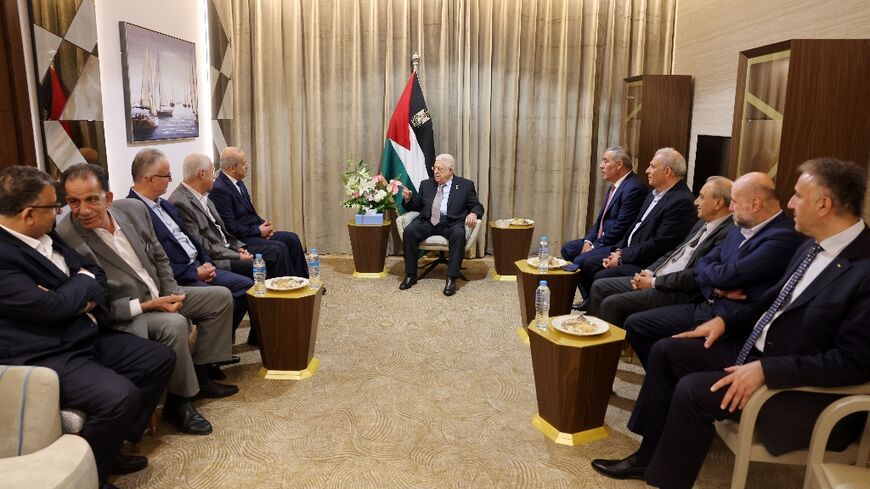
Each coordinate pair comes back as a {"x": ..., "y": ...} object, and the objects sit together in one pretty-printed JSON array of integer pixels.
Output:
[{"x": 415, "y": 61}]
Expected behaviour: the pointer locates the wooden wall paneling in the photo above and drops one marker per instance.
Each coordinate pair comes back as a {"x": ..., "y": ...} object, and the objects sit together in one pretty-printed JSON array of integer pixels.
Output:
[
  {"x": 17, "y": 145},
  {"x": 666, "y": 109}
]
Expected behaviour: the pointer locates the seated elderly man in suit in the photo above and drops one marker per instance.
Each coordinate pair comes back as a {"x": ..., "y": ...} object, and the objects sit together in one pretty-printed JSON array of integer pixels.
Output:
[
  {"x": 447, "y": 205},
  {"x": 666, "y": 217},
  {"x": 190, "y": 265},
  {"x": 205, "y": 226},
  {"x": 621, "y": 205},
  {"x": 669, "y": 280},
  {"x": 49, "y": 299},
  {"x": 144, "y": 298},
  {"x": 233, "y": 202},
  {"x": 733, "y": 275},
  {"x": 810, "y": 329}
]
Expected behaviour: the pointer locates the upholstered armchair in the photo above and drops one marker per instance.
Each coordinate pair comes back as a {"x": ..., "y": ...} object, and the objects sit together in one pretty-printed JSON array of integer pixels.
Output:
[
  {"x": 438, "y": 243},
  {"x": 34, "y": 453}
]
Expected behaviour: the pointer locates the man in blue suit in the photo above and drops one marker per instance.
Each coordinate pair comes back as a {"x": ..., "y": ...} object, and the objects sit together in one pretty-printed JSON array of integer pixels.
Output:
[
  {"x": 448, "y": 205},
  {"x": 233, "y": 202},
  {"x": 621, "y": 204},
  {"x": 733, "y": 275},
  {"x": 810, "y": 329},
  {"x": 50, "y": 298},
  {"x": 665, "y": 219},
  {"x": 190, "y": 265}
]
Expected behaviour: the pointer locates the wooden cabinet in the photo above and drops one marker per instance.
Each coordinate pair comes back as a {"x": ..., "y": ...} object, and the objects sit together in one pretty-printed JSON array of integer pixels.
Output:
[
  {"x": 657, "y": 113},
  {"x": 797, "y": 100}
]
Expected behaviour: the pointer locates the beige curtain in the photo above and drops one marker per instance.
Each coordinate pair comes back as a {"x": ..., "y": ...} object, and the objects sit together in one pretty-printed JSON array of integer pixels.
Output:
[{"x": 525, "y": 94}]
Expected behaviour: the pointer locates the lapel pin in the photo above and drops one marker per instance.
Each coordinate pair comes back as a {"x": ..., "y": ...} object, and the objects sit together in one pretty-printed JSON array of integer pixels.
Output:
[{"x": 457, "y": 186}]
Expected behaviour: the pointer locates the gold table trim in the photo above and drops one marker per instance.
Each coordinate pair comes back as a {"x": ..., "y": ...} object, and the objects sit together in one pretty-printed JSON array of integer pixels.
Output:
[
  {"x": 523, "y": 334},
  {"x": 503, "y": 278},
  {"x": 291, "y": 374},
  {"x": 370, "y": 275},
  {"x": 569, "y": 439}
]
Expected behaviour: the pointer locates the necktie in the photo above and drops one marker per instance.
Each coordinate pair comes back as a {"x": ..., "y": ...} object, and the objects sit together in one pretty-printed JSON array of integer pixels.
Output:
[
  {"x": 778, "y": 304},
  {"x": 244, "y": 191},
  {"x": 436, "y": 206},
  {"x": 606, "y": 206}
]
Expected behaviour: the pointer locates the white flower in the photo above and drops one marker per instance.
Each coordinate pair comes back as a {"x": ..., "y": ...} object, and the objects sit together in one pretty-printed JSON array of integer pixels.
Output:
[{"x": 380, "y": 195}]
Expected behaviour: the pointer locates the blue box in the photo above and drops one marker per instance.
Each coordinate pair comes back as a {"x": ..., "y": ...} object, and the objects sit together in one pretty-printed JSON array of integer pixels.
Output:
[{"x": 372, "y": 219}]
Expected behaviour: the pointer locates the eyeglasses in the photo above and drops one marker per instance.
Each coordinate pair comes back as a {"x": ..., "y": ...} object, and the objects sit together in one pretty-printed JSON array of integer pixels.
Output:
[{"x": 56, "y": 206}]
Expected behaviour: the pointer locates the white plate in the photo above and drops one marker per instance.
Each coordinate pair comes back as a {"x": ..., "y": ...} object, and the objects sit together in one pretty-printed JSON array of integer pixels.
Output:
[
  {"x": 519, "y": 221},
  {"x": 533, "y": 262},
  {"x": 599, "y": 325},
  {"x": 270, "y": 284},
  {"x": 506, "y": 223}
]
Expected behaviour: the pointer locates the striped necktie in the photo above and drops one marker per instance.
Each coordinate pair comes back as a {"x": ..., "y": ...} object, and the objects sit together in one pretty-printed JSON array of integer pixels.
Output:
[
  {"x": 778, "y": 304},
  {"x": 436, "y": 206}
]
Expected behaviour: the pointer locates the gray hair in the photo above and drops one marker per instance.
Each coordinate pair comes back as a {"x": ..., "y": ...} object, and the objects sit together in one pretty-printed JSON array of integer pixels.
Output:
[
  {"x": 144, "y": 161},
  {"x": 620, "y": 154},
  {"x": 721, "y": 187},
  {"x": 672, "y": 159},
  {"x": 447, "y": 159},
  {"x": 21, "y": 186},
  {"x": 193, "y": 164},
  {"x": 230, "y": 157}
]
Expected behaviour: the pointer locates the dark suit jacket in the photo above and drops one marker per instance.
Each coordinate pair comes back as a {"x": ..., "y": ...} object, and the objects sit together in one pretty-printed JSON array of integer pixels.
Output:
[
  {"x": 237, "y": 212},
  {"x": 124, "y": 283},
  {"x": 462, "y": 201},
  {"x": 666, "y": 226},
  {"x": 753, "y": 267},
  {"x": 183, "y": 270},
  {"x": 620, "y": 216},
  {"x": 684, "y": 280},
  {"x": 40, "y": 305},
  {"x": 820, "y": 339},
  {"x": 202, "y": 230}
]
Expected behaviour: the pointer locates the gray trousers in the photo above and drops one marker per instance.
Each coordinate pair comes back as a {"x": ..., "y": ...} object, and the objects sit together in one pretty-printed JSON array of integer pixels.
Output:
[
  {"x": 211, "y": 309},
  {"x": 613, "y": 300}
]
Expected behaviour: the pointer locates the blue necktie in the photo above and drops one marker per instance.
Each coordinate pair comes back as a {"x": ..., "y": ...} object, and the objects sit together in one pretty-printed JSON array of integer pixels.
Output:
[
  {"x": 245, "y": 193},
  {"x": 778, "y": 304}
]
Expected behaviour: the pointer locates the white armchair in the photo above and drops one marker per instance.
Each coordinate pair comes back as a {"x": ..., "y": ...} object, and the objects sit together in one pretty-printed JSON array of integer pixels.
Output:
[
  {"x": 438, "y": 243},
  {"x": 828, "y": 475},
  {"x": 740, "y": 435},
  {"x": 33, "y": 451}
]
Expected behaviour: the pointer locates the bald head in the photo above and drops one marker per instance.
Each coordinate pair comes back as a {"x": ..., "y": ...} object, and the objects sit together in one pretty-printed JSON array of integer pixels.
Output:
[{"x": 753, "y": 199}]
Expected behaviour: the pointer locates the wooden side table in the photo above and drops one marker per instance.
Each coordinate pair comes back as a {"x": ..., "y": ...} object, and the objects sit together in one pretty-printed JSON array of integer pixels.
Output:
[
  {"x": 287, "y": 327},
  {"x": 369, "y": 245},
  {"x": 509, "y": 244},
  {"x": 562, "y": 285},
  {"x": 573, "y": 381}
]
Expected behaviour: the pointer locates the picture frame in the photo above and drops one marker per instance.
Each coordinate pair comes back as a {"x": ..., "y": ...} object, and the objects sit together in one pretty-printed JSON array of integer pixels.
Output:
[{"x": 160, "y": 85}]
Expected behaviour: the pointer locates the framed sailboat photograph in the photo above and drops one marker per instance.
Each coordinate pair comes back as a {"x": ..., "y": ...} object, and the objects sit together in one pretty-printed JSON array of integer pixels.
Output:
[{"x": 160, "y": 94}]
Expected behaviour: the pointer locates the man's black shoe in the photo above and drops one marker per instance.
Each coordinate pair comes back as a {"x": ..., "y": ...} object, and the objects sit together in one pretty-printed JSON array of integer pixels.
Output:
[
  {"x": 215, "y": 373},
  {"x": 409, "y": 282},
  {"x": 579, "y": 306},
  {"x": 232, "y": 361},
  {"x": 627, "y": 468},
  {"x": 127, "y": 464},
  {"x": 187, "y": 419},
  {"x": 209, "y": 389},
  {"x": 450, "y": 286}
]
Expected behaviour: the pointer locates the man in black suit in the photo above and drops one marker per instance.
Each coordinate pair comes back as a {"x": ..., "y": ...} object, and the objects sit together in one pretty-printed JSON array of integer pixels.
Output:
[
  {"x": 735, "y": 274},
  {"x": 233, "y": 202},
  {"x": 619, "y": 210},
  {"x": 447, "y": 205},
  {"x": 666, "y": 217},
  {"x": 49, "y": 299},
  {"x": 669, "y": 280},
  {"x": 810, "y": 329}
]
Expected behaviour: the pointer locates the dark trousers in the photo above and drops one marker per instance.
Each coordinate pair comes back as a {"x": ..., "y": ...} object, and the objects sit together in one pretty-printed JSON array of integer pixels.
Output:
[
  {"x": 238, "y": 286},
  {"x": 590, "y": 264},
  {"x": 245, "y": 268},
  {"x": 571, "y": 249},
  {"x": 645, "y": 328},
  {"x": 285, "y": 249},
  {"x": 420, "y": 229},
  {"x": 613, "y": 299},
  {"x": 118, "y": 387},
  {"x": 675, "y": 411}
]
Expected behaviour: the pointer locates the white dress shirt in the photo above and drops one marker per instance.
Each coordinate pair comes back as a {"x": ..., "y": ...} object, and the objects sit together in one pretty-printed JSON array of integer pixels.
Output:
[
  {"x": 121, "y": 245},
  {"x": 173, "y": 227},
  {"x": 203, "y": 201},
  {"x": 831, "y": 247}
]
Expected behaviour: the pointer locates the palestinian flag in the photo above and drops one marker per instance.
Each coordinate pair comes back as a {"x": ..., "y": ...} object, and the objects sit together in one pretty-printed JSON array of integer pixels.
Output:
[{"x": 409, "y": 151}]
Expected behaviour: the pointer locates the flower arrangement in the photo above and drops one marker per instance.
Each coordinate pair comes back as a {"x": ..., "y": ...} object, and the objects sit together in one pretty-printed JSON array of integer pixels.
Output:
[{"x": 368, "y": 192}]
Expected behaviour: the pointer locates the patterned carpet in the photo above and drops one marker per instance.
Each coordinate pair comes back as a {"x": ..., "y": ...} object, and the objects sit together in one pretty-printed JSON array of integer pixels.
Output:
[{"x": 414, "y": 390}]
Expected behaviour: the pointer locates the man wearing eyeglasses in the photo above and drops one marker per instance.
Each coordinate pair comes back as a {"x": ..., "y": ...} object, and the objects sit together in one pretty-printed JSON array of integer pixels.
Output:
[
  {"x": 50, "y": 299},
  {"x": 447, "y": 205}
]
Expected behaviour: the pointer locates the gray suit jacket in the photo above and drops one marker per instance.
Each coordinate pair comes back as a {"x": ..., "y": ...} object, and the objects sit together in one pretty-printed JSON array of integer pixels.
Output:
[
  {"x": 124, "y": 284},
  {"x": 203, "y": 230},
  {"x": 684, "y": 280}
]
